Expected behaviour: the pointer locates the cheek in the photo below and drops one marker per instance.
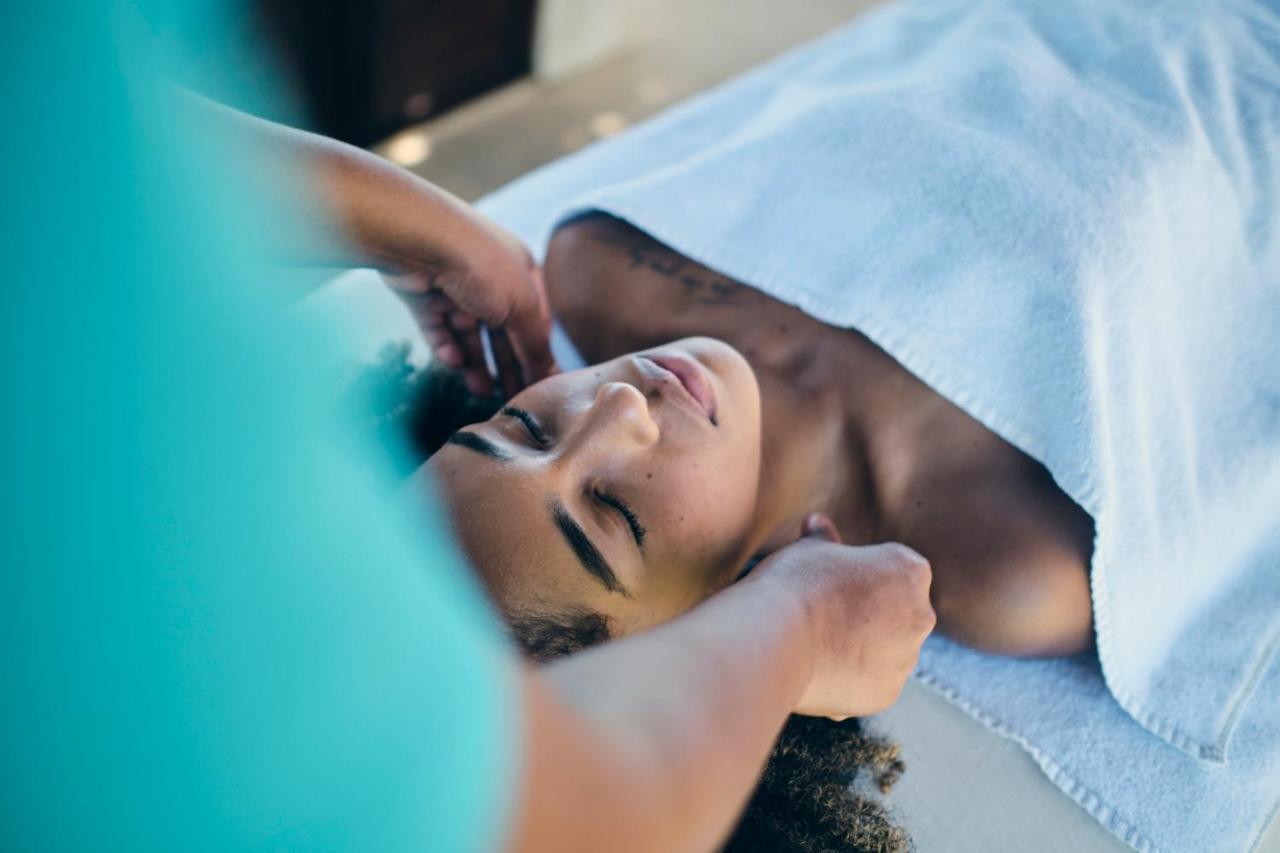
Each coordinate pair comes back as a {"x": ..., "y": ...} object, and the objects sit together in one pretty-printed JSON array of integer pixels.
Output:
[{"x": 709, "y": 504}]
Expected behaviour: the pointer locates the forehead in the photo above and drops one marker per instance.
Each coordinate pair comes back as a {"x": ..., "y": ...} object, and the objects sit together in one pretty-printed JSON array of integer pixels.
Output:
[{"x": 501, "y": 514}]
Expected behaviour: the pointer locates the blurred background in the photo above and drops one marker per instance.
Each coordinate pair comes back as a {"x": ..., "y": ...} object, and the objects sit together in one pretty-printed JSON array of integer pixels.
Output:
[{"x": 473, "y": 93}]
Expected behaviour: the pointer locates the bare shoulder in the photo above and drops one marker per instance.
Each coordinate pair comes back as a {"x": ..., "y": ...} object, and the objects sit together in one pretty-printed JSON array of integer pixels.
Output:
[
  {"x": 617, "y": 289},
  {"x": 590, "y": 288},
  {"x": 582, "y": 264},
  {"x": 1010, "y": 553}
]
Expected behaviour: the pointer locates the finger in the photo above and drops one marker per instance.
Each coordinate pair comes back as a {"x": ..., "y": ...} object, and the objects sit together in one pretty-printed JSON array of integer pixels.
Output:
[
  {"x": 504, "y": 358},
  {"x": 529, "y": 328},
  {"x": 441, "y": 338},
  {"x": 430, "y": 313},
  {"x": 819, "y": 525},
  {"x": 410, "y": 283},
  {"x": 475, "y": 372}
]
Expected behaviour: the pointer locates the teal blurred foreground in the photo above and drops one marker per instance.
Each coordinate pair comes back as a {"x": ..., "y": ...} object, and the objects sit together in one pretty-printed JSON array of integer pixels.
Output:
[{"x": 216, "y": 636}]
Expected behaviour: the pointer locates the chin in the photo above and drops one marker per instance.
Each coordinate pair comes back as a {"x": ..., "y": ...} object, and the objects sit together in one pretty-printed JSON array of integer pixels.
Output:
[{"x": 736, "y": 377}]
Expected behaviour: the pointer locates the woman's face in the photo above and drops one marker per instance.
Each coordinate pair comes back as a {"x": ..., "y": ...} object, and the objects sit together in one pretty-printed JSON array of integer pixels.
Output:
[{"x": 627, "y": 488}]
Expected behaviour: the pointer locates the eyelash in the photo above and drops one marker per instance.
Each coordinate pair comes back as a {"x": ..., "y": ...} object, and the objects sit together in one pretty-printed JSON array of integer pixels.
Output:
[
  {"x": 637, "y": 529},
  {"x": 530, "y": 424},
  {"x": 542, "y": 439}
]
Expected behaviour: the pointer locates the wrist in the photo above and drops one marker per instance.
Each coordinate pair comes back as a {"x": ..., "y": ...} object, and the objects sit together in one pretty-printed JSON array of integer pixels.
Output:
[
  {"x": 796, "y": 609},
  {"x": 396, "y": 221}
]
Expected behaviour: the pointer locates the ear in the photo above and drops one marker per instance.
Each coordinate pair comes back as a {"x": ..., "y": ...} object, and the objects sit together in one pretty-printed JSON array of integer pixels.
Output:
[
  {"x": 820, "y": 525},
  {"x": 815, "y": 524}
]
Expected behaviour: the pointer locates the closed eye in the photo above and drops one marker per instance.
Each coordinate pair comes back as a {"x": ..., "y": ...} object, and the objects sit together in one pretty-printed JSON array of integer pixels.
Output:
[
  {"x": 530, "y": 423},
  {"x": 637, "y": 529}
]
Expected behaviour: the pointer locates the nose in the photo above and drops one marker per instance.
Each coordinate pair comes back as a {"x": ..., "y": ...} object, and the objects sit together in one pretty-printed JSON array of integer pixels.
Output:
[{"x": 619, "y": 415}]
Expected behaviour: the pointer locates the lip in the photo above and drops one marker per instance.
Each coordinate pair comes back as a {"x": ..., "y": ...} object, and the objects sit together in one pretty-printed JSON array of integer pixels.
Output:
[{"x": 691, "y": 378}]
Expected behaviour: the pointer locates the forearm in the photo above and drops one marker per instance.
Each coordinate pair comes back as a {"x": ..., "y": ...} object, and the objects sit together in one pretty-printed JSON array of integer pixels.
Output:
[
  {"x": 655, "y": 742},
  {"x": 387, "y": 210},
  {"x": 383, "y": 211}
]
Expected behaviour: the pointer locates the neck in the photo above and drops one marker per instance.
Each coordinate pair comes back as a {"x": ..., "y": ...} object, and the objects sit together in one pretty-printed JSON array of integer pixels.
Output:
[{"x": 814, "y": 455}]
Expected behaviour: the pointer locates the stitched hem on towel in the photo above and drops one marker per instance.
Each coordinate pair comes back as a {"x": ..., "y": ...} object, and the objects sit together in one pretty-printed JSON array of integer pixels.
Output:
[
  {"x": 1272, "y": 817},
  {"x": 1115, "y": 822}
]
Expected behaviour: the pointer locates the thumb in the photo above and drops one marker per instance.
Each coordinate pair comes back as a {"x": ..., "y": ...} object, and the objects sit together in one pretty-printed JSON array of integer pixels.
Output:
[
  {"x": 529, "y": 328},
  {"x": 820, "y": 526}
]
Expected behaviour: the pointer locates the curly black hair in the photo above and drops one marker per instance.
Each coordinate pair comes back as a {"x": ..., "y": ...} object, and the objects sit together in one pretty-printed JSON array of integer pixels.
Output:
[
  {"x": 813, "y": 796},
  {"x": 411, "y": 409}
]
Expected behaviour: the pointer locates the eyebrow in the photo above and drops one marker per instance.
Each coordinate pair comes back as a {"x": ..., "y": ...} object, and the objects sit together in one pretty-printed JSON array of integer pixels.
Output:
[
  {"x": 581, "y": 545},
  {"x": 477, "y": 442},
  {"x": 587, "y": 553}
]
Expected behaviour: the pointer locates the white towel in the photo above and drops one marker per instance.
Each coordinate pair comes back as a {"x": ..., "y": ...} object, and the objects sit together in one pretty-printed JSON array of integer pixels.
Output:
[{"x": 1065, "y": 218}]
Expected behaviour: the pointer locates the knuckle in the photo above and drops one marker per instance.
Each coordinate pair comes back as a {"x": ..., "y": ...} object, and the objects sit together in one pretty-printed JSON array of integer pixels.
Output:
[
  {"x": 898, "y": 552},
  {"x": 919, "y": 567},
  {"x": 909, "y": 558}
]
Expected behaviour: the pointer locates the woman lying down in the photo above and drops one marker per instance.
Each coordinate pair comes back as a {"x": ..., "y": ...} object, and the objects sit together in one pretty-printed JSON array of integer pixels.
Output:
[
  {"x": 713, "y": 422},
  {"x": 1038, "y": 218}
]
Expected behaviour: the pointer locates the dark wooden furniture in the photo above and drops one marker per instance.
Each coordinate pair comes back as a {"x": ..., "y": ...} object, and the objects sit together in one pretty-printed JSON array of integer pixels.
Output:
[{"x": 368, "y": 69}]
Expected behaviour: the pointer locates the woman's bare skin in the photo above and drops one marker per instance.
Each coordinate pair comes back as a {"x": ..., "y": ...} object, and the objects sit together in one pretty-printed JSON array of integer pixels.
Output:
[{"x": 849, "y": 431}]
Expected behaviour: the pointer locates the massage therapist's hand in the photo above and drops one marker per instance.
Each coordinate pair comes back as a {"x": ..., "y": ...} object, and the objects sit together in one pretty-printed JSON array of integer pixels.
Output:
[
  {"x": 457, "y": 270},
  {"x": 473, "y": 274},
  {"x": 869, "y": 611}
]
